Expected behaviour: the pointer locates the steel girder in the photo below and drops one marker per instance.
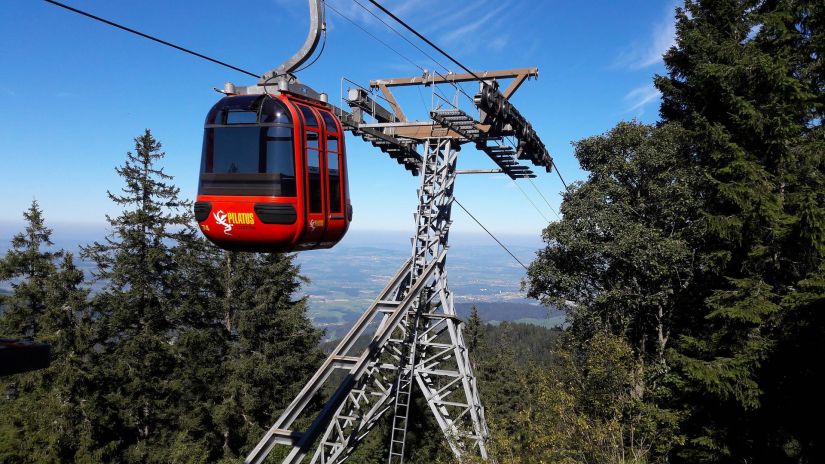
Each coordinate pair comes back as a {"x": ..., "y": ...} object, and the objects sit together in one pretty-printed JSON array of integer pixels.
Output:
[{"x": 418, "y": 342}]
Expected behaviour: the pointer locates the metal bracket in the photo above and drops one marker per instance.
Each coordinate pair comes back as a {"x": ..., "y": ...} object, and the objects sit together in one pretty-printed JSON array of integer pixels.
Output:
[{"x": 317, "y": 25}]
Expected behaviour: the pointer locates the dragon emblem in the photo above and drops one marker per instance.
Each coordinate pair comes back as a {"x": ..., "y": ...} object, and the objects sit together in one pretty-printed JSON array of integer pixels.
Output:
[{"x": 220, "y": 218}]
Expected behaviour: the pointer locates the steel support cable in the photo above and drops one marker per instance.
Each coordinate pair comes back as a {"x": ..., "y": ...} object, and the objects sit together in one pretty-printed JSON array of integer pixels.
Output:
[
  {"x": 400, "y": 34},
  {"x": 544, "y": 198},
  {"x": 456, "y": 85},
  {"x": 147, "y": 36},
  {"x": 406, "y": 39},
  {"x": 490, "y": 233},
  {"x": 422, "y": 37},
  {"x": 529, "y": 199},
  {"x": 339, "y": 13},
  {"x": 558, "y": 173},
  {"x": 448, "y": 56},
  {"x": 512, "y": 143}
]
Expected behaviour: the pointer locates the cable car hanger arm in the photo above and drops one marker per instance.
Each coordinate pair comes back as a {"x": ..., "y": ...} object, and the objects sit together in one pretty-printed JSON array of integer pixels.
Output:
[{"x": 317, "y": 25}]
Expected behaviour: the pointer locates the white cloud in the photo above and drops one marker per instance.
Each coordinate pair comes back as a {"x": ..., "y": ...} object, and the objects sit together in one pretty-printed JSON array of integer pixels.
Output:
[
  {"x": 639, "y": 97},
  {"x": 451, "y": 17},
  {"x": 641, "y": 55},
  {"x": 500, "y": 42},
  {"x": 467, "y": 29}
]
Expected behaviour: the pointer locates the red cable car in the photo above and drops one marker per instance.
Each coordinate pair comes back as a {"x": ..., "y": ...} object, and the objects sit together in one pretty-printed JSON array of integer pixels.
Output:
[{"x": 273, "y": 175}]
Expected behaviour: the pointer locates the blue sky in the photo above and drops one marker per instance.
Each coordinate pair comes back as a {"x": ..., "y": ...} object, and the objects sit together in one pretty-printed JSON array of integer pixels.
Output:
[{"x": 75, "y": 92}]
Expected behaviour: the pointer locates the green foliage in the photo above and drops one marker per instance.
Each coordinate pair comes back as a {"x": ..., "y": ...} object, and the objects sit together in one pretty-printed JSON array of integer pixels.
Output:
[
  {"x": 745, "y": 82},
  {"x": 580, "y": 405},
  {"x": 271, "y": 326},
  {"x": 43, "y": 417},
  {"x": 187, "y": 354},
  {"x": 700, "y": 241},
  {"x": 29, "y": 265},
  {"x": 136, "y": 327},
  {"x": 587, "y": 408},
  {"x": 621, "y": 259}
]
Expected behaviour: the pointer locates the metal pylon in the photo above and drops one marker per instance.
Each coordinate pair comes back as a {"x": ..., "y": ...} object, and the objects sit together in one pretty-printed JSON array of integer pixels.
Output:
[{"x": 417, "y": 342}]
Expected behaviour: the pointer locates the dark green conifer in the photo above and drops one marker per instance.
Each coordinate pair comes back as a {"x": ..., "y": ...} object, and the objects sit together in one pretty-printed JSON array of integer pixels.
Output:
[
  {"x": 44, "y": 414},
  {"x": 137, "y": 307},
  {"x": 741, "y": 81},
  {"x": 28, "y": 264},
  {"x": 473, "y": 331},
  {"x": 272, "y": 346}
]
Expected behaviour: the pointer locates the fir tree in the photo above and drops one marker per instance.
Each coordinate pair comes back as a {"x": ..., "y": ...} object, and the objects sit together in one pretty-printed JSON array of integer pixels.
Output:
[
  {"x": 137, "y": 306},
  {"x": 69, "y": 327},
  {"x": 28, "y": 264},
  {"x": 44, "y": 414},
  {"x": 742, "y": 80},
  {"x": 273, "y": 347},
  {"x": 31, "y": 265},
  {"x": 473, "y": 331}
]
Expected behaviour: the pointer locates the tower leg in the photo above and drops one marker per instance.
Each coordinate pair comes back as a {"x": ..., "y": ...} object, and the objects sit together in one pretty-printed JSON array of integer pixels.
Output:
[{"x": 418, "y": 343}]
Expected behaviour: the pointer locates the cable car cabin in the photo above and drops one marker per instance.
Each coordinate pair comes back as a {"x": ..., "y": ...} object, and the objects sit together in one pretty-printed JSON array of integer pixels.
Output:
[{"x": 273, "y": 175}]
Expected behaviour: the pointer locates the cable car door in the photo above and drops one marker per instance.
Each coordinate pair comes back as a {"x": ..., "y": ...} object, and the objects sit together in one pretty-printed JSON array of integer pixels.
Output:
[{"x": 315, "y": 190}]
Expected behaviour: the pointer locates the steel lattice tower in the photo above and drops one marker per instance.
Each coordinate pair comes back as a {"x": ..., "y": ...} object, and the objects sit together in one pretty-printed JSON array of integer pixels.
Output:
[
  {"x": 415, "y": 340},
  {"x": 418, "y": 344}
]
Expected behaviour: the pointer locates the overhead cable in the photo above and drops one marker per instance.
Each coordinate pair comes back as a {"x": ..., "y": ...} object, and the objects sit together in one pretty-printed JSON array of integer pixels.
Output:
[
  {"x": 373, "y": 36},
  {"x": 558, "y": 173},
  {"x": 544, "y": 198},
  {"x": 448, "y": 56},
  {"x": 422, "y": 37},
  {"x": 490, "y": 233},
  {"x": 147, "y": 36},
  {"x": 400, "y": 34},
  {"x": 530, "y": 200}
]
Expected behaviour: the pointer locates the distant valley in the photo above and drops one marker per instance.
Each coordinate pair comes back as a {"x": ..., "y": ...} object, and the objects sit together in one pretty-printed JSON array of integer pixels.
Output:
[{"x": 345, "y": 280}]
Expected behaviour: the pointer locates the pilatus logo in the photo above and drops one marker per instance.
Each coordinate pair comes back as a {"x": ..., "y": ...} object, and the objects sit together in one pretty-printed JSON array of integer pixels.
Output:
[
  {"x": 230, "y": 220},
  {"x": 220, "y": 218},
  {"x": 313, "y": 223}
]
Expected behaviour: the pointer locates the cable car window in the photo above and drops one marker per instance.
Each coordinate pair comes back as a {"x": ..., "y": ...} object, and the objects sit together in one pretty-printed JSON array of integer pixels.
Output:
[
  {"x": 235, "y": 149},
  {"x": 329, "y": 122},
  {"x": 314, "y": 174},
  {"x": 274, "y": 112},
  {"x": 309, "y": 116},
  {"x": 280, "y": 158},
  {"x": 241, "y": 117},
  {"x": 334, "y": 183},
  {"x": 332, "y": 143},
  {"x": 248, "y": 161},
  {"x": 246, "y": 103},
  {"x": 312, "y": 140}
]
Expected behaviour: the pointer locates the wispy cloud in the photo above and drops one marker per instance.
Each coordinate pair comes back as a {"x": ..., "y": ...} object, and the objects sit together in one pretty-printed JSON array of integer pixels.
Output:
[
  {"x": 449, "y": 27},
  {"x": 500, "y": 42},
  {"x": 407, "y": 6},
  {"x": 467, "y": 29},
  {"x": 639, "y": 55},
  {"x": 639, "y": 97}
]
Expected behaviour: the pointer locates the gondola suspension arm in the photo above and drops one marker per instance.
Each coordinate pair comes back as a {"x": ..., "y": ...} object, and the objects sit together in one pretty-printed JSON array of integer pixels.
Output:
[{"x": 317, "y": 25}]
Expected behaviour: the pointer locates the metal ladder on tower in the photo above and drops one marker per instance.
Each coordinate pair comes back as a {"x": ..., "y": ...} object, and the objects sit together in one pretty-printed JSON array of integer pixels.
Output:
[{"x": 403, "y": 393}]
